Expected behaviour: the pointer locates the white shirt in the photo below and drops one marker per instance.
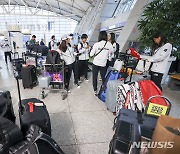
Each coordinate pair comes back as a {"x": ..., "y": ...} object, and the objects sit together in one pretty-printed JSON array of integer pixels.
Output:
[
  {"x": 53, "y": 45},
  {"x": 6, "y": 47},
  {"x": 160, "y": 58},
  {"x": 68, "y": 56},
  {"x": 104, "y": 55},
  {"x": 84, "y": 52}
]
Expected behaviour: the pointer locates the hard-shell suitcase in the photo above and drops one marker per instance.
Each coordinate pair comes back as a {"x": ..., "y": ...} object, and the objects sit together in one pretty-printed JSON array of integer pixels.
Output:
[
  {"x": 10, "y": 134},
  {"x": 111, "y": 94},
  {"x": 33, "y": 111},
  {"x": 29, "y": 78},
  {"x": 36, "y": 142},
  {"x": 6, "y": 107}
]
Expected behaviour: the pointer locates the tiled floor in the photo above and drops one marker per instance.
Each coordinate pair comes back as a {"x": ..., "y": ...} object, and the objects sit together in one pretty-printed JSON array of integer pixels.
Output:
[{"x": 81, "y": 123}]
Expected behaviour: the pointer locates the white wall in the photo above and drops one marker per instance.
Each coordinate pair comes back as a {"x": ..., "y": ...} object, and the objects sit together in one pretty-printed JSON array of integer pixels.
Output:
[{"x": 118, "y": 19}]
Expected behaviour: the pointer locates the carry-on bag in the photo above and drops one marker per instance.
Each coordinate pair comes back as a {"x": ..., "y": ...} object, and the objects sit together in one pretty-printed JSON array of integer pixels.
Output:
[
  {"x": 33, "y": 111},
  {"x": 10, "y": 134},
  {"x": 111, "y": 75},
  {"x": 29, "y": 78},
  {"x": 6, "y": 107},
  {"x": 36, "y": 142},
  {"x": 17, "y": 64},
  {"x": 127, "y": 131}
]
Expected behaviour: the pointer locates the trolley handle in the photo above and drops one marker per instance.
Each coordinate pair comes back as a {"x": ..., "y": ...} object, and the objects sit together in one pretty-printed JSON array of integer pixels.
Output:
[{"x": 159, "y": 96}]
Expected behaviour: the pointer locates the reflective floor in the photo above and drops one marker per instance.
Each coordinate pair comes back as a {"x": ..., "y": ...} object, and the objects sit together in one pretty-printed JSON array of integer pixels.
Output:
[{"x": 81, "y": 123}]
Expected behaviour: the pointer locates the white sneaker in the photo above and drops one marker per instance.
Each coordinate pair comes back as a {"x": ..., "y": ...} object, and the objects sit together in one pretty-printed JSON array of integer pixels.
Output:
[
  {"x": 78, "y": 86},
  {"x": 100, "y": 79},
  {"x": 96, "y": 93},
  {"x": 80, "y": 81},
  {"x": 86, "y": 79}
]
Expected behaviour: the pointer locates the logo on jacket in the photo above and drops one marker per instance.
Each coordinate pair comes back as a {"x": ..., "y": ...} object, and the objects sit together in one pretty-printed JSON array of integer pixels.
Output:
[{"x": 165, "y": 50}]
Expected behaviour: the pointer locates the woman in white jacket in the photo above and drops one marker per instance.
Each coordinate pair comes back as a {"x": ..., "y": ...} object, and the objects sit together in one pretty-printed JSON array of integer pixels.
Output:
[
  {"x": 159, "y": 60},
  {"x": 68, "y": 55},
  {"x": 102, "y": 51}
]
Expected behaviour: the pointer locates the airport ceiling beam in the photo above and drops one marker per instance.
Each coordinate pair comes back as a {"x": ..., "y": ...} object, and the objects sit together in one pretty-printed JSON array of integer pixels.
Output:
[{"x": 24, "y": 3}]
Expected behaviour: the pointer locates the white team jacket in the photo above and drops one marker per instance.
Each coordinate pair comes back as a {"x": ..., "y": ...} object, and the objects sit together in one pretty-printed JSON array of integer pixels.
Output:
[
  {"x": 160, "y": 58},
  {"x": 114, "y": 49},
  {"x": 106, "y": 53},
  {"x": 84, "y": 52},
  {"x": 68, "y": 56}
]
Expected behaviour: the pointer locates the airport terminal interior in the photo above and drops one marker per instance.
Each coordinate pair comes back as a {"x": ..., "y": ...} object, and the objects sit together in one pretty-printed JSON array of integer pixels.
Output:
[{"x": 81, "y": 120}]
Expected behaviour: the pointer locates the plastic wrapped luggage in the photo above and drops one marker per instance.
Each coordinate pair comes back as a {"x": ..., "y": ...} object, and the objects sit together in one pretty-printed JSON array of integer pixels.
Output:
[
  {"x": 36, "y": 142},
  {"x": 6, "y": 107},
  {"x": 29, "y": 78},
  {"x": 10, "y": 134},
  {"x": 118, "y": 65},
  {"x": 111, "y": 94},
  {"x": 44, "y": 81}
]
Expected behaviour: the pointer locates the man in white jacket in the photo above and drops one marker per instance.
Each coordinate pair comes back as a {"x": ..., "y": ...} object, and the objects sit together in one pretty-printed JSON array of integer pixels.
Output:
[
  {"x": 7, "y": 50},
  {"x": 83, "y": 54}
]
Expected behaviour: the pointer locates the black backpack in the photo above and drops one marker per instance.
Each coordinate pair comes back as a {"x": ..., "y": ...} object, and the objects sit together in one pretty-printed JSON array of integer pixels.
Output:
[
  {"x": 49, "y": 45},
  {"x": 117, "y": 50}
]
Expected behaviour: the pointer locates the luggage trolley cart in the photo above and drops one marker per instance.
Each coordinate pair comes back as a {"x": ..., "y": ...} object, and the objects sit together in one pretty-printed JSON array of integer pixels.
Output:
[{"x": 52, "y": 77}]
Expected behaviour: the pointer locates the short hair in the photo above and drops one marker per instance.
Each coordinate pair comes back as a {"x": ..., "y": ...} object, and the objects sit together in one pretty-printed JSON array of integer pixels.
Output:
[
  {"x": 52, "y": 37},
  {"x": 102, "y": 36},
  {"x": 34, "y": 36},
  {"x": 84, "y": 36},
  {"x": 71, "y": 35}
]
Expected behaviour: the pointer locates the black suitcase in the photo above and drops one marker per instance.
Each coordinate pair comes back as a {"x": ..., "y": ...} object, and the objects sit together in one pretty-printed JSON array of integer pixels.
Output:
[
  {"x": 33, "y": 111},
  {"x": 10, "y": 134},
  {"x": 129, "y": 127},
  {"x": 36, "y": 143},
  {"x": 6, "y": 107},
  {"x": 17, "y": 64},
  {"x": 39, "y": 116},
  {"x": 29, "y": 78}
]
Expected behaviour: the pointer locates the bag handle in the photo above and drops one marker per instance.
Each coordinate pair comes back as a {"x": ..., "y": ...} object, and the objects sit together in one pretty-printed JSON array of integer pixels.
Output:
[{"x": 159, "y": 96}]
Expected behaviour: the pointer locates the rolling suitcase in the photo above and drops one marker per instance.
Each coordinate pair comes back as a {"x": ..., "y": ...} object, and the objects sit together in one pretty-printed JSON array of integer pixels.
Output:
[
  {"x": 33, "y": 111},
  {"x": 10, "y": 134},
  {"x": 36, "y": 142},
  {"x": 111, "y": 94},
  {"x": 17, "y": 64},
  {"x": 29, "y": 78},
  {"x": 6, "y": 107},
  {"x": 129, "y": 126}
]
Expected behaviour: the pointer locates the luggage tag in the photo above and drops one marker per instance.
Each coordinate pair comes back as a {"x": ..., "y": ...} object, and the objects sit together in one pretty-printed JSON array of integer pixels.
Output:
[
  {"x": 31, "y": 107},
  {"x": 38, "y": 104}
]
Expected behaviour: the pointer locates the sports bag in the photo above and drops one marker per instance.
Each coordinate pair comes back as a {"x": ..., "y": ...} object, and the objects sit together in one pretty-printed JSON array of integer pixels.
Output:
[
  {"x": 10, "y": 134},
  {"x": 129, "y": 97},
  {"x": 6, "y": 107},
  {"x": 148, "y": 89},
  {"x": 36, "y": 143}
]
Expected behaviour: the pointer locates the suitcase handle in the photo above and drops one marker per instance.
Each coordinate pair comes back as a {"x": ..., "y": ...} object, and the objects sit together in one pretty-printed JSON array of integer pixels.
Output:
[{"x": 159, "y": 96}]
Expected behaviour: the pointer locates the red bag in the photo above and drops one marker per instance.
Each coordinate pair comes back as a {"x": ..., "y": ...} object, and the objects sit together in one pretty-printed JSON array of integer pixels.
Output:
[
  {"x": 149, "y": 89},
  {"x": 134, "y": 53}
]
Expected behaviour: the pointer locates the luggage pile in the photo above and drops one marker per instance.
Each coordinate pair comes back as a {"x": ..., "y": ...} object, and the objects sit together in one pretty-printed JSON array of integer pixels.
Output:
[
  {"x": 34, "y": 137},
  {"x": 134, "y": 127}
]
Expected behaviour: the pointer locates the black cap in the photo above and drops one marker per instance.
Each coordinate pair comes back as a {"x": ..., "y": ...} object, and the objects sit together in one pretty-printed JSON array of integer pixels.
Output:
[{"x": 84, "y": 36}]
